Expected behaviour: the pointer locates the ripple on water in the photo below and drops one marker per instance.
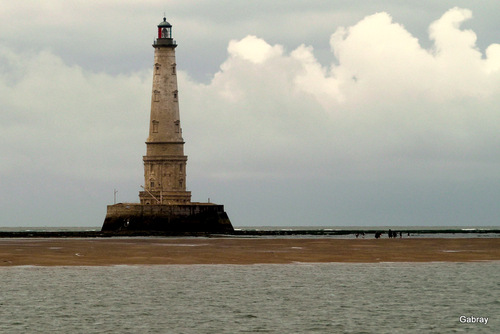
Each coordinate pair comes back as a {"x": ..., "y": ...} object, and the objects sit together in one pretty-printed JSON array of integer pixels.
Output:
[{"x": 295, "y": 298}]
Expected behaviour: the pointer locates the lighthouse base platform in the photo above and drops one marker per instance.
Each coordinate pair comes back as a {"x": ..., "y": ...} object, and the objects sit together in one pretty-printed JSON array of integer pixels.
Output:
[{"x": 172, "y": 219}]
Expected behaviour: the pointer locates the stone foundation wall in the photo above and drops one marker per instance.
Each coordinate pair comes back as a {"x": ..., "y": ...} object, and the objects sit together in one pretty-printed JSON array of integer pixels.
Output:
[{"x": 193, "y": 217}]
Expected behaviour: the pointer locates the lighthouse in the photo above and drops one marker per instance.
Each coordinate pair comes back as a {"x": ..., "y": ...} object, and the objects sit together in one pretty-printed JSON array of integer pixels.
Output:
[
  {"x": 164, "y": 203},
  {"x": 165, "y": 162}
]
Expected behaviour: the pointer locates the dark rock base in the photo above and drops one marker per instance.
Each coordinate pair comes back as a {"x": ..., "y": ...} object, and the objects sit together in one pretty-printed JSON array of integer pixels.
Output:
[{"x": 177, "y": 219}]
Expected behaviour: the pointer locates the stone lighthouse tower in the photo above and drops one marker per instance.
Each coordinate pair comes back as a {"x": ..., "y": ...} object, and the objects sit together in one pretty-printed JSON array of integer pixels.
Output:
[
  {"x": 165, "y": 204},
  {"x": 165, "y": 162}
]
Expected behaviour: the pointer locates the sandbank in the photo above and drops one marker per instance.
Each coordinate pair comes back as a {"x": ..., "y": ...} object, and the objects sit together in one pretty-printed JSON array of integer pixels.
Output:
[{"x": 164, "y": 251}]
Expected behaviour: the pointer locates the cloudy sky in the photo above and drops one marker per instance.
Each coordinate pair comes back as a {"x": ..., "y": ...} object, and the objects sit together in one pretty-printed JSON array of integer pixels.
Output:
[{"x": 305, "y": 113}]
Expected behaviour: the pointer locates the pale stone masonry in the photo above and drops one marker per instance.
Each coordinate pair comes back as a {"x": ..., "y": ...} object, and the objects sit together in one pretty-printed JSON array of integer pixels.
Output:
[
  {"x": 165, "y": 204},
  {"x": 165, "y": 162}
]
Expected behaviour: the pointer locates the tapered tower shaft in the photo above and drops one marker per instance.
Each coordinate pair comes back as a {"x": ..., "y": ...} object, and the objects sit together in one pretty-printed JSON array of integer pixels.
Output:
[
  {"x": 165, "y": 205},
  {"x": 164, "y": 162}
]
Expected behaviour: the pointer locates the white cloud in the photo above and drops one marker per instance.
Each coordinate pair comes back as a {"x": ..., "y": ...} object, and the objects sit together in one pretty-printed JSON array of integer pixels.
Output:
[
  {"x": 385, "y": 100},
  {"x": 274, "y": 124},
  {"x": 253, "y": 49},
  {"x": 62, "y": 120}
]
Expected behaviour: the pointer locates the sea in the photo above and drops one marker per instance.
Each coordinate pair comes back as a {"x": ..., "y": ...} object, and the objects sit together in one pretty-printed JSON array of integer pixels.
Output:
[
  {"x": 284, "y": 298},
  {"x": 339, "y": 232},
  {"x": 433, "y": 297}
]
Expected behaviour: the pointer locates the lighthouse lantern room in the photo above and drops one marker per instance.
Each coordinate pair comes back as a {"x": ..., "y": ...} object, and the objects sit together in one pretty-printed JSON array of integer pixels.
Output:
[{"x": 164, "y": 29}]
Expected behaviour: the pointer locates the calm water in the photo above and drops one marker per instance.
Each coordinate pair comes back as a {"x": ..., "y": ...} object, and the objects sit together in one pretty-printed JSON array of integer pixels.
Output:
[{"x": 296, "y": 298}]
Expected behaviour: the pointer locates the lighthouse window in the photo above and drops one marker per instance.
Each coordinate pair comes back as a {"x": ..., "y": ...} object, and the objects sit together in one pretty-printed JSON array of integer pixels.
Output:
[
  {"x": 177, "y": 126},
  {"x": 152, "y": 185},
  {"x": 155, "y": 126},
  {"x": 156, "y": 96},
  {"x": 175, "y": 95},
  {"x": 173, "y": 68},
  {"x": 157, "y": 69},
  {"x": 165, "y": 33}
]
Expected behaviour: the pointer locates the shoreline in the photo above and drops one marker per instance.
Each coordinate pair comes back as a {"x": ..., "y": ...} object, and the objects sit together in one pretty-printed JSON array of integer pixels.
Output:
[
  {"x": 227, "y": 250},
  {"x": 369, "y": 232}
]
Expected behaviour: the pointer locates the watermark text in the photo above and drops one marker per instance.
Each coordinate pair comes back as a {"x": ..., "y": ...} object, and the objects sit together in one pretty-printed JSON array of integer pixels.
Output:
[{"x": 470, "y": 319}]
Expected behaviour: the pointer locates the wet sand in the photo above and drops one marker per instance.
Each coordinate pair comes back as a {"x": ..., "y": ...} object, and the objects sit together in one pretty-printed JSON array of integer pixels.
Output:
[{"x": 155, "y": 251}]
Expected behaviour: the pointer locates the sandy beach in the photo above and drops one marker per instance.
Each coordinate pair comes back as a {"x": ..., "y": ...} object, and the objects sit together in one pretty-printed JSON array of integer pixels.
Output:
[{"x": 156, "y": 251}]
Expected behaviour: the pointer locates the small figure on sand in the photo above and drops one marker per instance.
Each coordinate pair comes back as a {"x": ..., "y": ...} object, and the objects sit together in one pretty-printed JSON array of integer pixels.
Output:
[
  {"x": 377, "y": 235},
  {"x": 394, "y": 234}
]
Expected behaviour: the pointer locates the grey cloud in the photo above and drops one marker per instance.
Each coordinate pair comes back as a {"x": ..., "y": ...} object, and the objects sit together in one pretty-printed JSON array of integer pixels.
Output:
[{"x": 273, "y": 140}]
